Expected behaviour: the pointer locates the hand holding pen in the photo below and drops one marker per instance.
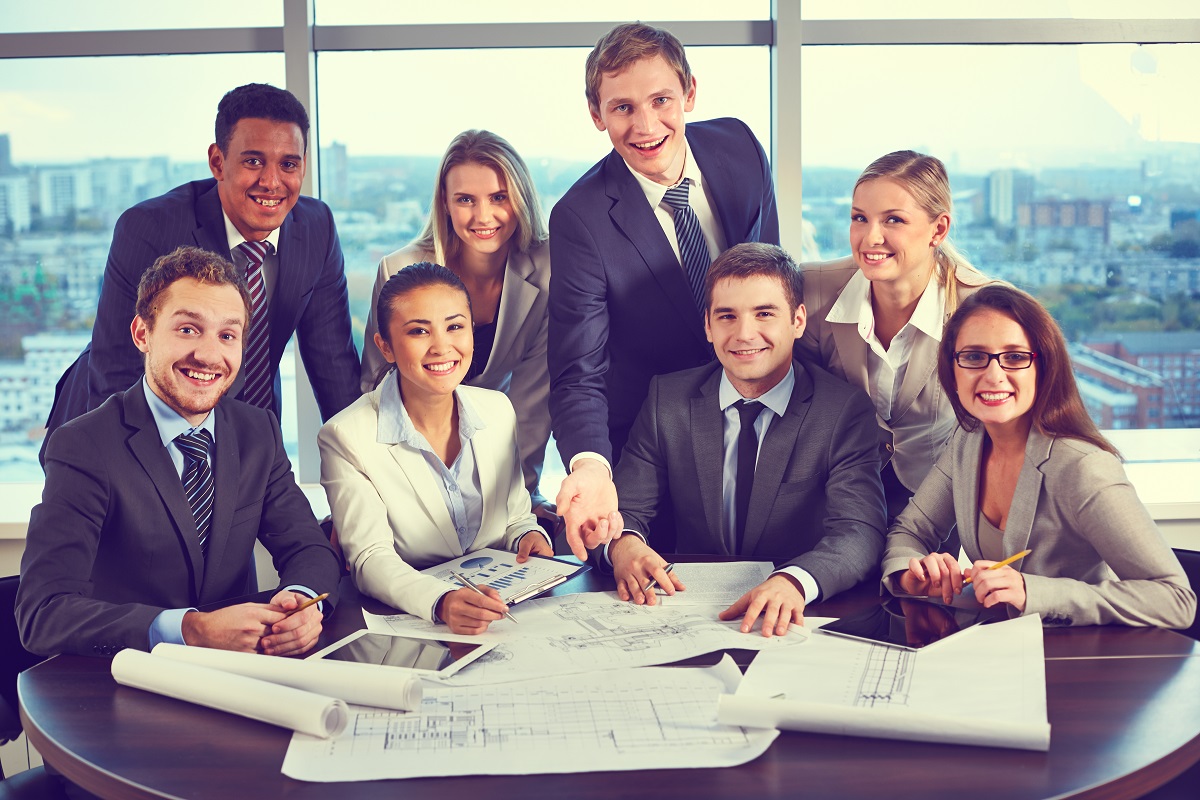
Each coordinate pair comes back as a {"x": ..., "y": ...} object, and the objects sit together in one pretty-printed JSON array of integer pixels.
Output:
[{"x": 466, "y": 582}]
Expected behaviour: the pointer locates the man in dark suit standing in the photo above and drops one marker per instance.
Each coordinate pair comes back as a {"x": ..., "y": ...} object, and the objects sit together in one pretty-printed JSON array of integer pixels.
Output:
[
  {"x": 153, "y": 501},
  {"x": 251, "y": 212},
  {"x": 759, "y": 456},
  {"x": 630, "y": 243}
]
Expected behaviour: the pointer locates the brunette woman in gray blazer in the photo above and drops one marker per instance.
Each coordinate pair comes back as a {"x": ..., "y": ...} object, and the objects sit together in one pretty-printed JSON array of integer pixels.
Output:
[{"x": 1028, "y": 469}]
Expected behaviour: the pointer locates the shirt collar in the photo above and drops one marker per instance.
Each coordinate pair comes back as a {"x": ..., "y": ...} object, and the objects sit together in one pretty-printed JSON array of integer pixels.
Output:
[
  {"x": 234, "y": 236},
  {"x": 170, "y": 424},
  {"x": 656, "y": 191},
  {"x": 854, "y": 306},
  {"x": 776, "y": 398},
  {"x": 396, "y": 427}
]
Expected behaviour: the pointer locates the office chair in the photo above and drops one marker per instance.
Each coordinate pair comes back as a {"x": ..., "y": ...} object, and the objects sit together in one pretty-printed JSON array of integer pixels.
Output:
[
  {"x": 1190, "y": 559},
  {"x": 15, "y": 659}
]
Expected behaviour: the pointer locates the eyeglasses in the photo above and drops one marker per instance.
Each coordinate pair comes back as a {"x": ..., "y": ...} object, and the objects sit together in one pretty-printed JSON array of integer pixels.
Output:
[{"x": 1008, "y": 360}]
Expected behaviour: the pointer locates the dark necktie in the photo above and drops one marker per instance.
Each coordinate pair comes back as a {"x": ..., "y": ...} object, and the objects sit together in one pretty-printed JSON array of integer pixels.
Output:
[
  {"x": 693, "y": 250},
  {"x": 258, "y": 390},
  {"x": 747, "y": 455},
  {"x": 198, "y": 479}
]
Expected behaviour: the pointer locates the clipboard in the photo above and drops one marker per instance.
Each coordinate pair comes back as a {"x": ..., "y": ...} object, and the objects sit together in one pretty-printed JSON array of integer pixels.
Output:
[{"x": 499, "y": 569}]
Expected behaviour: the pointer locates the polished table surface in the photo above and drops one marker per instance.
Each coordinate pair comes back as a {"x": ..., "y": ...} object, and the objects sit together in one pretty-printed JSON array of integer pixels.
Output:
[{"x": 1124, "y": 709}]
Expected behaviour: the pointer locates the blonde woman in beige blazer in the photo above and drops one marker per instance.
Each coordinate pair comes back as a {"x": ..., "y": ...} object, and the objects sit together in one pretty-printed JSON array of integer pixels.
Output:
[
  {"x": 1029, "y": 470},
  {"x": 422, "y": 469},
  {"x": 875, "y": 318},
  {"x": 486, "y": 227}
]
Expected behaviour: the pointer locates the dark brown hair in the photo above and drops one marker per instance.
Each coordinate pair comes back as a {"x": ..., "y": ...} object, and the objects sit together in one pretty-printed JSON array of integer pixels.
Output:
[
  {"x": 749, "y": 259},
  {"x": 257, "y": 101},
  {"x": 186, "y": 262},
  {"x": 1057, "y": 407}
]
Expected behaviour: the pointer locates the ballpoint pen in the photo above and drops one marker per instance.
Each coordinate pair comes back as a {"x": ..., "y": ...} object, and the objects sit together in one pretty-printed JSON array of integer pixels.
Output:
[
  {"x": 1005, "y": 562},
  {"x": 467, "y": 583},
  {"x": 653, "y": 582}
]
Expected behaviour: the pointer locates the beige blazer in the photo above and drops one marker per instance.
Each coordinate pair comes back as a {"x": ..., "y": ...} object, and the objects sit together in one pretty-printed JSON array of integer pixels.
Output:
[
  {"x": 839, "y": 348},
  {"x": 517, "y": 365},
  {"x": 1097, "y": 557},
  {"x": 389, "y": 513}
]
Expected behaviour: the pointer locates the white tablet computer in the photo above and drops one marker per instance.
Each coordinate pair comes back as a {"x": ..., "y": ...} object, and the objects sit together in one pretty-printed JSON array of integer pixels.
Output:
[{"x": 432, "y": 657}]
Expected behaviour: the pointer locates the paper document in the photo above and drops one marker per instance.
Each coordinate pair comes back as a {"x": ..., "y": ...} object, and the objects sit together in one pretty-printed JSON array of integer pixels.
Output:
[
  {"x": 664, "y": 718},
  {"x": 589, "y": 631},
  {"x": 986, "y": 686},
  {"x": 717, "y": 584},
  {"x": 500, "y": 570}
]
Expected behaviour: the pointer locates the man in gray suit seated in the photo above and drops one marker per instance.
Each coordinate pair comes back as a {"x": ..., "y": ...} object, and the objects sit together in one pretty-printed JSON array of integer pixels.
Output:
[{"x": 760, "y": 456}]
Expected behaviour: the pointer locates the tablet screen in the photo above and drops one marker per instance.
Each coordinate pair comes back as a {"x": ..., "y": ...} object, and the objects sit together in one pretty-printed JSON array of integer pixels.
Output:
[
  {"x": 427, "y": 655},
  {"x": 912, "y": 623}
]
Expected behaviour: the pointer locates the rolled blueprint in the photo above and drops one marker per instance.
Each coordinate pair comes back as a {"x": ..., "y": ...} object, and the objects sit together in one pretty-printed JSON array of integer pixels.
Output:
[
  {"x": 361, "y": 684},
  {"x": 301, "y": 711}
]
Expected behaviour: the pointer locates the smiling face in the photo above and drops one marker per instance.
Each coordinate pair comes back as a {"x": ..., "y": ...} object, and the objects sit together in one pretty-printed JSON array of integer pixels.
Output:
[
  {"x": 892, "y": 238},
  {"x": 641, "y": 108},
  {"x": 194, "y": 347},
  {"x": 997, "y": 398},
  {"x": 430, "y": 340},
  {"x": 752, "y": 330},
  {"x": 259, "y": 177},
  {"x": 479, "y": 208}
]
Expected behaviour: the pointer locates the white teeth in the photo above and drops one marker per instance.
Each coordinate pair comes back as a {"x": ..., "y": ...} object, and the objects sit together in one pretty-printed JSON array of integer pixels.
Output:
[
  {"x": 268, "y": 203},
  {"x": 486, "y": 231},
  {"x": 992, "y": 397},
  {"x": 650, "y": 145},
  {"x": 875, "y": 256},
  {"x": 446, "y": 367},
  {"x": 200, "y": 376}
]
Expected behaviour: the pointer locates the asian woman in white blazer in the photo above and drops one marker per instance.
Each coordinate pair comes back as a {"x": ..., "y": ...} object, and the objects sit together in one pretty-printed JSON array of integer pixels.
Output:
[
  {"x": 422, "y": 469},
  {"x": 1028, "y": 470},
  {"x": 485, "y": 226}
]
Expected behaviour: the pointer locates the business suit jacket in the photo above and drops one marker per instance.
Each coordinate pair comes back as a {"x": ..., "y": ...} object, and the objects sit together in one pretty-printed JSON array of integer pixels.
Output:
[
  {"x": 838, "y": 347},
  {"x": 621, "y": 310},
  {"x": 308, "y": 298},
  {"x": 113, "y": 542},
  {"x": 389, "y": 513},
  {"x": 517, "y": 365},
  {"x": 817, "y": 502},
  {"x": 1097, "y": 556}
]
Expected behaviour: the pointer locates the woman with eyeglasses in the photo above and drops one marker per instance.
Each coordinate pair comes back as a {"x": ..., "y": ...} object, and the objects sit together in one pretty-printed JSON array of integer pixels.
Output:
[
  {"x": 875, "y": 320},
  {"x": 1028, "y": 470}
]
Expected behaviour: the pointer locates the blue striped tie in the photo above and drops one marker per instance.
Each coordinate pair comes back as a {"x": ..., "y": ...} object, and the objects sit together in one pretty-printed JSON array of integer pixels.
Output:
[
  {"x": 198, "y": 479},
  {"x": 258, "y": 390},
  {"x": 693, "y": 250}
]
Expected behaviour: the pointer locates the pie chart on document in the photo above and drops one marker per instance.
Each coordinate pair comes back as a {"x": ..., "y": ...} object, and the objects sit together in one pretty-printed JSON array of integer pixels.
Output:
[{"x": 476, "y": 563}]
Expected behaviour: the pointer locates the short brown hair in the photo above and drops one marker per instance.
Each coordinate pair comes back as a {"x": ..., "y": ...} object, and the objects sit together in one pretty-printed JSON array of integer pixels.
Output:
[
  {"x": 186, "y": 262},
  {"x": 751, "y": 259},
  {"x": 1057, "y": 408},
  {"x": 631, "y": 42}
]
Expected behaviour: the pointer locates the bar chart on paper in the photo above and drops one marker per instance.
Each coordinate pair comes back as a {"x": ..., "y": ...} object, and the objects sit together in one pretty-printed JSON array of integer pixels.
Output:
[{"x": 500, "y": 570}]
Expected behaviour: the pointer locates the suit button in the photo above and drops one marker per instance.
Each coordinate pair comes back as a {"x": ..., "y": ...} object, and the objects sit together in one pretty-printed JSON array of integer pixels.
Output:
[{"x": 889, "y": 447}]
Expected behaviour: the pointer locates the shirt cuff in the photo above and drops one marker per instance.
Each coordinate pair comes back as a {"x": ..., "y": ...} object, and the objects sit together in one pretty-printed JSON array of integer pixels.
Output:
[
  {"x": 539, "y": 531},
  {"x": 301, "y": 589},
  {"x": 630, "y": 531},
  {"x": 168, "y": 627},
  {"x": 589, "y": 454},
  {"x": 807, "y": 582}
]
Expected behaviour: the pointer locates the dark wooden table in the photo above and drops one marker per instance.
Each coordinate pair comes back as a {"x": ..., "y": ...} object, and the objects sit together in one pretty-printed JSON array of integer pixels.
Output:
[{"x": 1124, "y": 708}]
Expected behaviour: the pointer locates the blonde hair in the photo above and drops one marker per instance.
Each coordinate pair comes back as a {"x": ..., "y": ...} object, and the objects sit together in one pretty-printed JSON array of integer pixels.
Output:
[
  {"x": 924, "y": 177},
  {"x": 489, "y": 150},
  {"x": 627, "y": 44}
]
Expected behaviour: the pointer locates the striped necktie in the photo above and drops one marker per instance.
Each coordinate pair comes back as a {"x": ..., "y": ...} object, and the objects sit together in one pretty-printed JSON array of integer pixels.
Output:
[
  {"x": 693, "y": 250},
  {"x": 198, "y": 479},
  {"x": 258, "y": 390}
]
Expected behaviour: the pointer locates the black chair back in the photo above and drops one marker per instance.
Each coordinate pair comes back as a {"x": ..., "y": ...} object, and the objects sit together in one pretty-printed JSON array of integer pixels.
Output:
[{"x": 1190, "y": 559}]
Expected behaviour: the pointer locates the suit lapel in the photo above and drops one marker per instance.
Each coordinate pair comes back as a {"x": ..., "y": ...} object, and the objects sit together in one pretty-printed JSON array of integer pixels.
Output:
[
  {"x": 425, "y": 490},
  {"x": 723, "y": 187},
  {"x": 226, "y": 466},
  {"x": 515, "y": 304},
  {"x": 774, "y": 456},
  {"x": 966, "y": 489},
  {"x": 1029, "y": 487},
  {"x": 922, "y": 362},
  {"x": 210, "y": 224},
  {"x": 291, "y": 280},
  {"x": 634, "y": 217},
  {"x": 851, "y": 348},
  {"x": 146, "y": 445},
  {"x": 708, "y": 446}
]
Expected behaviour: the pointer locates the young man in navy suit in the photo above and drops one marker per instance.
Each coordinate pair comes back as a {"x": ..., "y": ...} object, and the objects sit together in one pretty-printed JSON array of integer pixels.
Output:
[
  {"x": 629, "y": 244},
  {"x": 257, "y": 164},
  {"x": 153, "y": 501}
]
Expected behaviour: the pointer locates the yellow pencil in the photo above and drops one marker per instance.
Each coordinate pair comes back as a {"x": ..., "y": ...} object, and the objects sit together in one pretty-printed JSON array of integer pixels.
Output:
[
  {"x": 1005, "y": 562},
  {"x": 309, "y": 602}
]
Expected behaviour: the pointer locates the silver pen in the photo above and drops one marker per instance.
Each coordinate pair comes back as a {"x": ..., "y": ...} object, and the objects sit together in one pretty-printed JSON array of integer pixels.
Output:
[
  {"x": 654, "y": 582},
  {"x": 467, "y": 583}
]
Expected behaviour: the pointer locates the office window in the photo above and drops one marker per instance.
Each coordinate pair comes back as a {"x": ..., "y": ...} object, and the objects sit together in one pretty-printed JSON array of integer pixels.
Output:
[
  {"x": 1074, "y": 171},
  {"x": 374, "y": 12},
  {"x": 21, "y": 17},
  {"x": 990, "y": 9},
  {"x": 81, "y": 140}
]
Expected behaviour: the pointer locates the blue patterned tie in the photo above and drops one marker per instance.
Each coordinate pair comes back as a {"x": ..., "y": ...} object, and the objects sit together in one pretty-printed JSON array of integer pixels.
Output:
[
  {"x": 693, "y": 250},
  {"x": 258, "y": 390},
  {"x": 198, "y": 479}
]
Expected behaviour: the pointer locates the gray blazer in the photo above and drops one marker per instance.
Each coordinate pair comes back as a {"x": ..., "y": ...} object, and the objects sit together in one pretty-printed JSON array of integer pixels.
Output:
[
  {"x": 517, "y": 365},
  {"x": 817, "y": 501},
  {"x": 839, "y": 348},
  {"x": 1097, "y": 555}
]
